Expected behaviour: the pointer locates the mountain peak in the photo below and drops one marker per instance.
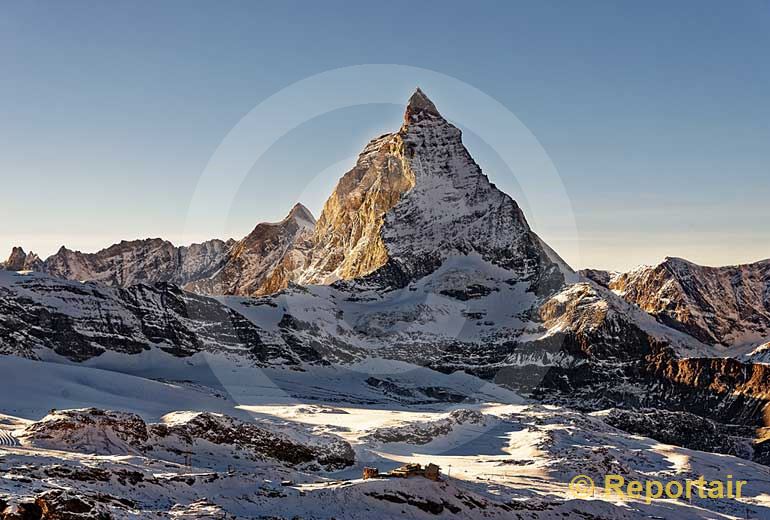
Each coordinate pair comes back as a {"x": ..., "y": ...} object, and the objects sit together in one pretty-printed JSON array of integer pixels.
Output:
[
  {"x": 419, "y": 103},
  {"x": 300, "y": 212},
  {"x": 414, "y": 199},
  {"x": 16, "y": 259},
  {"x": 17, "y": 251},
  {"x": 19, "y": 260}
]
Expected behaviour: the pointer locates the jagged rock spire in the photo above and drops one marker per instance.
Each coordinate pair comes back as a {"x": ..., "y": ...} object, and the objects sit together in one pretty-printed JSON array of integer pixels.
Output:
[{"x": 19, "y": 260}]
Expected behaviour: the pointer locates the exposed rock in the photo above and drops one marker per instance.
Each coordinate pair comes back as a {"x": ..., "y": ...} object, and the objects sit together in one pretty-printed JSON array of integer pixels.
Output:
[
  {"x": 347, "y": 242},
  {"x": 469, "y": 292},
  {"x": 760, "y": 354},
  {"x": 105, "y": 432},
  {"x": 717, "y": 305},
  {"x": 428, "y": 431},
  {"x": 139, "y": 261},
  {"x": 89, "y": 430},
  {"x": 185, "y": 429},
  {"x": 415, "y": 198},
  {"x": 599, "y": 276},
  {"x": 80, "y": 321},
  {"x": 65, "y": 505},
  {"x": 18, "y": 260},
  {"x": 266, "y": 260},
  {"x": 601, "y": 355},
  {"x": 21, "y": 510}
]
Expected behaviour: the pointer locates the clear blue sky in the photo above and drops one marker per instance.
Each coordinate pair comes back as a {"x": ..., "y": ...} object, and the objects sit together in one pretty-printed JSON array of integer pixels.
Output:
[{"x": 656, "y": 114}]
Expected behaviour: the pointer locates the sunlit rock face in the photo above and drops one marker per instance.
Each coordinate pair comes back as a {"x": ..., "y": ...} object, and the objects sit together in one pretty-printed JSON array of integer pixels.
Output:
[
  {"x": 415, "y": 198},
  {"x": 347, "y": 242},
  {"x": 717, "y": 305},
  {"x": 18, "y": 260},
  {"x": 264, "y": 261}
]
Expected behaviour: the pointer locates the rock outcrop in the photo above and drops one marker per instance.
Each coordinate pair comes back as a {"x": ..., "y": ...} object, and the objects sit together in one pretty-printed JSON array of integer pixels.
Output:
[
  {"x": 107, "y": 432},
  {"x": 683, "y": 429},
  {"x": 18, "y": 260}
]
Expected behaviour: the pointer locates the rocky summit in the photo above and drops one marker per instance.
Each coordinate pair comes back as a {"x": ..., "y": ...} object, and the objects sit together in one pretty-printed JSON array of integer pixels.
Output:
[
  {"x": 137, "y": 261},
  {"x": 415, "y": 198}
]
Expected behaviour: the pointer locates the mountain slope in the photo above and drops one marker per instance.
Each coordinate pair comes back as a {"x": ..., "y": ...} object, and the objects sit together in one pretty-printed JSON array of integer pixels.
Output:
[
  {"x": 265, "y": 260},
  {"x": 717, "y": 305},
  {"x": 80, "y": 321}
]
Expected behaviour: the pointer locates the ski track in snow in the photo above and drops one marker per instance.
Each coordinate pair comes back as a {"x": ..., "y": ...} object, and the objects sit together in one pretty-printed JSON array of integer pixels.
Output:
[{"x": 6, "y": 439}]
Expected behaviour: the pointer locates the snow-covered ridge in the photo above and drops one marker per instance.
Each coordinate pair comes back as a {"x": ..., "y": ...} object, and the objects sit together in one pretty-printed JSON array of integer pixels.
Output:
[
  {"x": 106, "y": 432},
  {"x": 261, "y": 263},
  {"x": 79, "y": 321}
]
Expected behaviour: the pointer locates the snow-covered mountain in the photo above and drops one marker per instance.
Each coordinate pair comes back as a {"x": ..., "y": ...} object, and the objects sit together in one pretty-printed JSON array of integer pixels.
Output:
[
  {"x": 717, "y": 305},
  {"x": 41, "y": 316},
  {"x": 263, "y": 262},
  {"x": 421, "y": 286},
  {"x": 416, "y": 198},
  {"x": 430, "y": 265}
]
